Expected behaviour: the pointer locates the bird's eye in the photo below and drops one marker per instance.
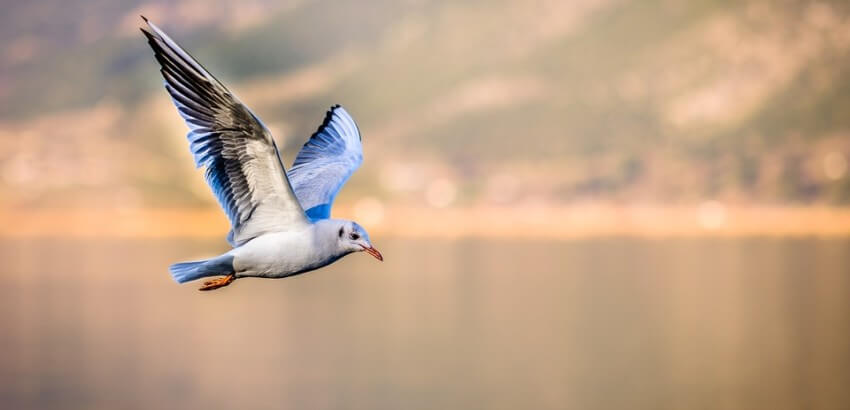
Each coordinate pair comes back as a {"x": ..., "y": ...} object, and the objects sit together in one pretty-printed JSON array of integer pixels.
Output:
[
  {"x": 340, "y": 232},
  {"x": 354, "y": 236}
]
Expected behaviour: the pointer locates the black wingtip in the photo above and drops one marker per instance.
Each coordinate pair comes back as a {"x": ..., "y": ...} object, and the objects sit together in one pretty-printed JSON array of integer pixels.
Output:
[
  {"x": 143, "y": 17},
  {"x": 331, "y": 111},
  {"x": 148, "y": 35}
]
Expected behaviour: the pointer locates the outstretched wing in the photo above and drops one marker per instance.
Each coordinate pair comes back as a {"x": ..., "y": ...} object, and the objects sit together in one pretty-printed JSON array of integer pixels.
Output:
[
  {"x": 241, "y": 160},
  {"x": 325, "y": 162}
]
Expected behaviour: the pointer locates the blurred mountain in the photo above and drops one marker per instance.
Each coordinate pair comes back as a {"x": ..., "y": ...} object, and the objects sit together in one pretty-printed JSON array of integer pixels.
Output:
[{"x": 479, "y": 101}]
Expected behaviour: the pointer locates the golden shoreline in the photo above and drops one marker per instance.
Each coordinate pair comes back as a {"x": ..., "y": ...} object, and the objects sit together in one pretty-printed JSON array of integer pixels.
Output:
[{"x": 547, "y": 222}]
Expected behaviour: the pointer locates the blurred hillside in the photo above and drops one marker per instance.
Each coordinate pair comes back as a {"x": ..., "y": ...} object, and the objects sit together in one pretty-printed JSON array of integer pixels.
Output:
[{"x": 629, "y": 101}]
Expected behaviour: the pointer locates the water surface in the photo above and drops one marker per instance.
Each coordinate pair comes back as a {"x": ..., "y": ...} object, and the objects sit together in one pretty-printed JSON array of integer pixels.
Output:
[{"x": 596, "y": 324}]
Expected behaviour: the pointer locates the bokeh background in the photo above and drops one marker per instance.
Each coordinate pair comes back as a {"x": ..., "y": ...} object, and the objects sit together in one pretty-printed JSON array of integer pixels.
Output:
[{"x": 582, "y": 204}]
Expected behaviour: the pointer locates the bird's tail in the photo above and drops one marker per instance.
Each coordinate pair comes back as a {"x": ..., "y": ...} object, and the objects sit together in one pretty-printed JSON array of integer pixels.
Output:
[{"x": 188, "y": 271}]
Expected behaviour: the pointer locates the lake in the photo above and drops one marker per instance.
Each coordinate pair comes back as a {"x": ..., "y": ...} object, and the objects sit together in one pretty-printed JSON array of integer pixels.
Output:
[{"x": 441, "y": 324}]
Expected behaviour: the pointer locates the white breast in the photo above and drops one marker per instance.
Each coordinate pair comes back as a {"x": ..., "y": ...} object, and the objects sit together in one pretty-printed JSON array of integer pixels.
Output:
[{"x": 281, "y": 254}]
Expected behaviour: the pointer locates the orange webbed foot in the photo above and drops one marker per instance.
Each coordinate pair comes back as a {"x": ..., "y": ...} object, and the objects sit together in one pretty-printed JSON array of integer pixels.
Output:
[{"x": 218, "y": 282}]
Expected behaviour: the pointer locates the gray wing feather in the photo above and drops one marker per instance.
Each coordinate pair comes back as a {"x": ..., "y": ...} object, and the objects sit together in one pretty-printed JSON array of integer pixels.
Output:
[
  {"x": 325, "y": 162},
  {"x": 241, "y": 160}
]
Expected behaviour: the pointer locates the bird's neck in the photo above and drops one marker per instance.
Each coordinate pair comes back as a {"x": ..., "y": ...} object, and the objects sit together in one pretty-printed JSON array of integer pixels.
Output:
[{"x": 327, "y": 237}]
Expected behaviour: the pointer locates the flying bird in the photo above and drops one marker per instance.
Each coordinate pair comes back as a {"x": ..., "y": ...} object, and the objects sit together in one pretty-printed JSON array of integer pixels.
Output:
[{"x": 280, "y": 220}]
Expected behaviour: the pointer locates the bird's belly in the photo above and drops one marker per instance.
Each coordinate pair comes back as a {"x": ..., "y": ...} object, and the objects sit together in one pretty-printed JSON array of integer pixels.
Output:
[{"x": 277, "y": 256}]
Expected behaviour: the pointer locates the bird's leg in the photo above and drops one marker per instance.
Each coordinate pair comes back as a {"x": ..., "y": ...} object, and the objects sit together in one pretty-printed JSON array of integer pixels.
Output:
[{"x": 218, "y": 282}]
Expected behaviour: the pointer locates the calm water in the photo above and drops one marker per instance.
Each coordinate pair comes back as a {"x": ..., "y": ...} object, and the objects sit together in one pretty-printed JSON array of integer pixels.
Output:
[{"x": 599, "y": 324}]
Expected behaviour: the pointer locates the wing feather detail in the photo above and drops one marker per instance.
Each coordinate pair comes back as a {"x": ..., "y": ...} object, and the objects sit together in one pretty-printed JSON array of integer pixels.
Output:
[
  {"x": 325, "y": 162},
  {"x": 241, "y": 161}
]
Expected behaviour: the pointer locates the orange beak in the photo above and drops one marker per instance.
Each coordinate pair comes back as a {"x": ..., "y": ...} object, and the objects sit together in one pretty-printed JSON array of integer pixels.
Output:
[{"x": 374, "y": 252}]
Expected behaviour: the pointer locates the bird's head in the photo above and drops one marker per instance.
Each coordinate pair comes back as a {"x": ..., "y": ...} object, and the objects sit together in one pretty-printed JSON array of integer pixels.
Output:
[{"x": 353, "y": 238}]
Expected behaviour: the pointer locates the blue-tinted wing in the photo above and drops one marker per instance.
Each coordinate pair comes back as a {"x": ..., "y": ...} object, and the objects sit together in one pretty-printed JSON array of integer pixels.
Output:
[
  {"x": 242, "y": 163},
  {"x": 325, "y": 162}
]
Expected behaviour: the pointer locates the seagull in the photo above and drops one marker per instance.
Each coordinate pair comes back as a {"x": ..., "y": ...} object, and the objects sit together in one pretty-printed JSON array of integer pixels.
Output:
[{"x": 280, "y": 220}]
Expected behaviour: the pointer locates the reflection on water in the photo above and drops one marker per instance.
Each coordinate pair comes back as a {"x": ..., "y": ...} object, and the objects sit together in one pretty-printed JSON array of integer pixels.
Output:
[{"x": 607, "y": 324}]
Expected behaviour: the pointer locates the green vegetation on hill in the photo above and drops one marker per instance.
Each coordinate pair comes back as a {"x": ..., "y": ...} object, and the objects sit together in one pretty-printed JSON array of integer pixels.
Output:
[{"x": 622, "y": 100}]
